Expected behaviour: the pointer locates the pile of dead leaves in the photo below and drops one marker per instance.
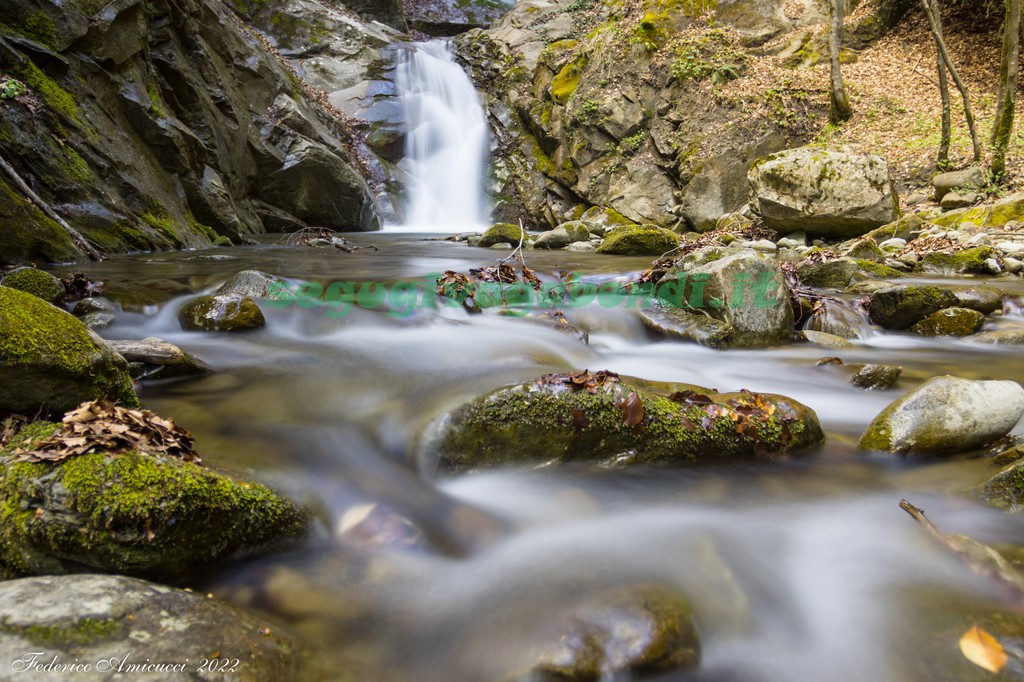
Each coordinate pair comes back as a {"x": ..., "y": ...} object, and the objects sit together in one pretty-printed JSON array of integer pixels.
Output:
[
  {"x": 462, "y": 287},
  {"x": 10, "y": 427},
  {"x": 77, "y": 286},
  {"x": 583, "y": 379},
  {"x": 934, "y": 244},
  {"x": 100, "y": 426}
]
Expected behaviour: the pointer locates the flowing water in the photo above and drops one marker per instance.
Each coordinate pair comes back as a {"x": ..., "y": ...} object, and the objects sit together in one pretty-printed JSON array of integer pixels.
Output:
[
  {"x": 445, "y": 144},
  {"x": 799, "y": 569}
]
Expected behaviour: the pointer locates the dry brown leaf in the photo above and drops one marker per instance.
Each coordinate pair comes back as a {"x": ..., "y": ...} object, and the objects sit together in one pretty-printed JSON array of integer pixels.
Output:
[
  {"x": 632, "y": 409},
  {"x": 983, "y": 650}
]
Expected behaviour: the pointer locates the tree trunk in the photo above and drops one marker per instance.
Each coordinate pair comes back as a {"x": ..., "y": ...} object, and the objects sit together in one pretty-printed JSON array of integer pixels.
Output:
[
  {"x": 1003, "y": 125},
  {"x": 943, "y": 161},
  {"x": 935, "y": 22},
  {"x": 841, "y": 109}
]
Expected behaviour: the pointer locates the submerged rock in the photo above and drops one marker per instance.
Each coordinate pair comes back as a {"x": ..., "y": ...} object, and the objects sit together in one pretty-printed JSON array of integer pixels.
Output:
[
  {"x": 825, "y": 339},
  {"x": 874, "y": 377},
  {"x": 114, "y": 622},
  {"x": 154, "y": 358},
  {"x": 946, "y": 414},
  {"x": 255, "y": 284},
  {"x": 638, "y": 628},
  {"x": 135, "y": 514},
  {"x": 823, "y": 193},
  {"x": 640, "y": 240},
  {"x": 688, "y": 326},
  {"x": 35, "y": 282},
  {"x": 50, "y": 361},
  {"x": 949, "y": 322},
  {"x": 600, "y": 416},
  {"x": 832, "y": 316},
  {"x": 901, "y": 306},
  {"x": 221, "y": 313}
]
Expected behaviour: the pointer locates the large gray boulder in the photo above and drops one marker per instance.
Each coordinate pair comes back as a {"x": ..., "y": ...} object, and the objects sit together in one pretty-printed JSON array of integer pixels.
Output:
[
  {"x": 113, "y": 623},
  {"x": 946, "y": 414},
  {"x": 823, "y": 193}
]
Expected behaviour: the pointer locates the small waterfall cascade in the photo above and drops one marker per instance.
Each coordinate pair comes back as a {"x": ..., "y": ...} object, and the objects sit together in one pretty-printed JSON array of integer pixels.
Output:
[{"x": 446, "y": 142}]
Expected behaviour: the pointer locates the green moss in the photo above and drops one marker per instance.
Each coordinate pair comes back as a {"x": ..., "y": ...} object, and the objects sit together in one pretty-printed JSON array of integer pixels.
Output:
[
  {"x": 79, "y": 633},
  {"x": 528, "y": 423},
  {"x": 53, "y": 95},
  {"x": 27, "y": 234},
  {"x": 709, "y": 54},
  {"x": 949, "y": 322},
  {"x": 504, "y": 233},
  {"x": 34, "y": 333},
  {"x": 877, "y": 270},
  {"x": 39, "y": 27},
  {"x": 199, "y": 227},
  {"x": 967, "y": 261},
  {"x": 651, "y": 30},
  {"x": 161, "y": 221},
  {"x": 155, "y": 101},
  {"x": 567, "y": 79},
  {"x": 29, "y": 434},
  {"x": 90, "y": 7},
  {"x": 134, "y": 514},
  {"x": 640, "y": 240},
  {"x": 36, "y": 282}
]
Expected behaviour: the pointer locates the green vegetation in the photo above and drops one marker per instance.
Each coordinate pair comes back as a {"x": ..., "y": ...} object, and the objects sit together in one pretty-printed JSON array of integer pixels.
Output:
[
  {"x": 708, "y": 55},
  {"x": 11, "y": 88},
  {"x": 629, "y": 146},
  {"x": 80, "y": 633},
  {"x": 53, "y": 95},
  {"x": 39, "y": 27},
  {"x": 154, "y": 100},
  {"x": 567, "y": 79}
]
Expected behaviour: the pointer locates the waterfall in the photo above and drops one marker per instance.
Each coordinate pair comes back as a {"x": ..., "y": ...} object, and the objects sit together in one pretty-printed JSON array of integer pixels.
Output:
[{"x": 446, "y": 142}]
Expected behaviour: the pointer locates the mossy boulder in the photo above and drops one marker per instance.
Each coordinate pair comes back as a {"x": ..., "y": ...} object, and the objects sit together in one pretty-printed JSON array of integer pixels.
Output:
[
  {"x": 563, "y": 235},
  {"x": 603, "y": 216},
  {"x": 504, "y": 233},
  {"x": 547, "y": 420},
  {"x": 221, "y": 313},
  {"x": 642, "y": 628},
  {"x": 877, "y": 270},
  {"x": 50, "y": 361},
  {"x": 984, "y": 298},
  {"x": 134, "y": 514},
  {"x": 876, "y": 377},
  {"x": 986, "y": 217},
  {"x": 831, "y": 274},
  {"x": 35, "y": 282},
  {"x": 945, "y": 415},
  {"x": 899, "y": 307},
  {"x": 1005, "y": 489},
  {"x": 960, "y": 262},
  {"x": 907, "y": 228},
  {"x": 640, "y": 240},
  {"x": 949, "y": 322},
  {"x": 110, "y": 618}
]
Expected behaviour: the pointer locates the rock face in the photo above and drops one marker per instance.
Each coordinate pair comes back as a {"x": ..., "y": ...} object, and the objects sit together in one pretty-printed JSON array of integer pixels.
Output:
[
  {"x": 135, "y": 514},
  {"x": 823, "y": 193},
  {"x": 945, "y": 415},
  {"x": 51, "y": 361},
  {"x": 557, "y": 418},
  {"x": 221, "y": 313},
  {"x": 139, "y": 145},
  {"x": 35, "y": 282},
  {"x": 109, "y": 621}
]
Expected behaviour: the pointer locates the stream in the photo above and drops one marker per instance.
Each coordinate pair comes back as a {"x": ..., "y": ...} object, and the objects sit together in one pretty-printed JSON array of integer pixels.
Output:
[{"x": 803, "y": 568}]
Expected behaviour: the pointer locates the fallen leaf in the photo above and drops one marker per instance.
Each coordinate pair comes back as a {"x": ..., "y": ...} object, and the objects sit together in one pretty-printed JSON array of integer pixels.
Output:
[
  {"x": 983, "y": 650},
  {"x": 632, "y": 409}
]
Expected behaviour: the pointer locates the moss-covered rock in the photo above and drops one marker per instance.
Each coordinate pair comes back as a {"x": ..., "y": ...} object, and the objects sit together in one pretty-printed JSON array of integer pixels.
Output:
[
  {"x": 960, "y": 262},
  {"x": 563, "y": 235},
  {"x": 984, "y": 298},
  {"x": 899, "y": 307},
  {"x": 830, "y": 274},
  {"x": 946, "y": 414},
  {"x": 1005, "y": 489},
  {"x": 36, "y": 282},
  {"x": 949, "y": 322},
  {"x": 907, "y": 228},
  {"x": 51, "y": 361},
  {"x": 877, "y": 270},
  {"x": 641, "y": 240},
  {"x": 504, "y": 233},
  {"x": 546, "y": 420},
  {"x": 876, "y": 377},
  {"x": 221, "y": 313},
  {"x": 135, "y": 514},
  {"x": 986, "y": 217}
]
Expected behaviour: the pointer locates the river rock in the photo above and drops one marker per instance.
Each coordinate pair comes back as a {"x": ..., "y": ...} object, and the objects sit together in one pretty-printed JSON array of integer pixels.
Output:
[
  {"x": 136, "y": 514},
  {"x": 954, "y": 200},
  {"x": 824, "y": 193},
  {"x": 563, "y": 235},
  {"x": 640, "y": 240},
  {"x": 984, "y": 298},
  {"x": 1005, "y": 489},
  {"x": 830, "y": 274},
  {"x": 255, "y": 284},
  {"x": 949, "y": 322},
  {"x": 35, "y": 282},
  {"x": 154, "y": 358},
  {"x": 50, "y": 361},
  {"x": 221, "y": 313},
  {"x": 874, "y": 377},
  {"x": 504, "y": 233},
  {"x": 113, "y": 622},
  {"x": 973, "y": 260},
  {"x": 642, "y": 628},
  {"x": 1001, "y": 337},
  {"x": 625, "y": 420},
  {"x": 825, "y": 339},
  {"x": 832, "y": 316},
  {"x": 899, "y": 307},
  {"x": 946, "y": 414},
  {"x": 967, "y": 179},
  {"x": 672, "y": 321}
]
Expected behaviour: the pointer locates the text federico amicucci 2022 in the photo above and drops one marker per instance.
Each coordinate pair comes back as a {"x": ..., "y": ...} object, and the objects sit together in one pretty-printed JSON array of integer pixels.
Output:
[{"x": 403, "y": 297}]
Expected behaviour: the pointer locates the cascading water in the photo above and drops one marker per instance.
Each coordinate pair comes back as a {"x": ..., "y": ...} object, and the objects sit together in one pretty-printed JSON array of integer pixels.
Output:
[{"x": 446, "y": 142}]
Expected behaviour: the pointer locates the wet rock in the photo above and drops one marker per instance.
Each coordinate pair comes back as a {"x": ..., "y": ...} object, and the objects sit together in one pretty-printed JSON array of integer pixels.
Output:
[
  {"x": 36, "y": 282},
  {"x": 641, "y": 240},
  {"x": 93, "y": 304},
  {"x": 504, "y": 233},
  {"x": 154, "y": 358},
  {"x": 899, "y": 307},
  {"x": 1013, "y": 266},
  {"x": 688, "y": 326},
  {"x": 1001, "y": 337},
  {"x": 874, "y": 377},
  {"x": 946, "y": 414},
  {"x": 255, "y": 284},
  {"x": 961, "y": 262},
  {"x": 624, "y": 420},
  {"x": 563, "y": 235},
  {"x": 832, "y": 274},
  {"x": 825, "y": 339},
  {"x": 949, "y": 322},
  {"x": 221, "y": 313},
  {"x": 581, "y": 247},
  {"x": 1009, "y": 456},
  {"x": 136, "y": 514},
  {"x": 824, "y": 193},
  {"x": 877, "y": 270},
  {"x": 644, "y": 628},
  {"x": 1005, "y": 489},
  {"x": 50, "y": 361},
  {"x": 967, "y": 179},
  {"x": 835, "y": 317},
  {"x": 116, "y": 622},
  {"x": 984, "y": 298}
]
